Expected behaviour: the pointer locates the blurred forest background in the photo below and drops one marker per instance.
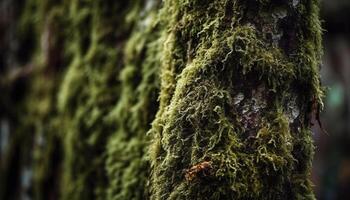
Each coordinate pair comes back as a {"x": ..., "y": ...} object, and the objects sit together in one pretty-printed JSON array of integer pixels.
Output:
[{"x": 331, "y": 167}]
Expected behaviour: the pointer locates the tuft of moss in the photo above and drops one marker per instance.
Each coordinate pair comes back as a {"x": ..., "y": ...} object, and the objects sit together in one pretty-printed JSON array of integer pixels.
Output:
[{"x": 233, "y": 94}]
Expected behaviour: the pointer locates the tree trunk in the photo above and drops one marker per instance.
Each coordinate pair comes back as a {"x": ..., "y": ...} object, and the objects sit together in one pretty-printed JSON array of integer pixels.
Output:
[{"x": 237, "y": 83}]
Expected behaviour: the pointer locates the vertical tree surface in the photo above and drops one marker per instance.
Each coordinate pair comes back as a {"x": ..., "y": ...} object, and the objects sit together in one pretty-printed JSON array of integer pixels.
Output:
[
  {"x": 200, "y": 99},
  {"x": 238, "y": 89}
]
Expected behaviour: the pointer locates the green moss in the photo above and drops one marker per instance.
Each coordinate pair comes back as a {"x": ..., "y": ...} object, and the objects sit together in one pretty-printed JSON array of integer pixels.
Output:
[
  {"x": 127, "y": 165},
  {"x": 228, "y": 91},
  {"x": 254, "y": 146},
  {"x": 88, "y": 92},
  {"x": 110, "y": 93}
]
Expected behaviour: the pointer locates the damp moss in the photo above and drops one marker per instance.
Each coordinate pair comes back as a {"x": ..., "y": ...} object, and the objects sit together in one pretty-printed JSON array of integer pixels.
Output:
[
  {"x": 229, "y": 87},
  {"x": 253, "y": 144},
  {"x": 127, "y": 164},
  {"x": 87, "y": 93},
  {"x": 109, "y": 94}
]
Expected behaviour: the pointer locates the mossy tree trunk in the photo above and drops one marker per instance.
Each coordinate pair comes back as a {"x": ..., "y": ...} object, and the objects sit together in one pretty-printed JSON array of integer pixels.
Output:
[
  {"x": 228, "y": 85},
  {"x": 239, "y": 83}
]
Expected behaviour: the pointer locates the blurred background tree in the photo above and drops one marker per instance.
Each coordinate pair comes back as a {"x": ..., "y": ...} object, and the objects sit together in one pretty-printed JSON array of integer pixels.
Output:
[{"x": 331, "y": 171}]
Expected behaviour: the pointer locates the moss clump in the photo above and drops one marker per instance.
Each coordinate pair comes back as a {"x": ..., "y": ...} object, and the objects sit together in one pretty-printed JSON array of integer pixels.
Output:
[
  {"x": 233, "y": 96},
  {"x": 127, "y": 165},
  {"x": 118, "y": 104},
  {"x": 88, "y": 93}
]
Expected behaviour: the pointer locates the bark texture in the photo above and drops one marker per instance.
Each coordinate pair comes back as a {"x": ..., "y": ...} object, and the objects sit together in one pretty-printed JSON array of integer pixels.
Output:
[{"x": 201, "y": 99}]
